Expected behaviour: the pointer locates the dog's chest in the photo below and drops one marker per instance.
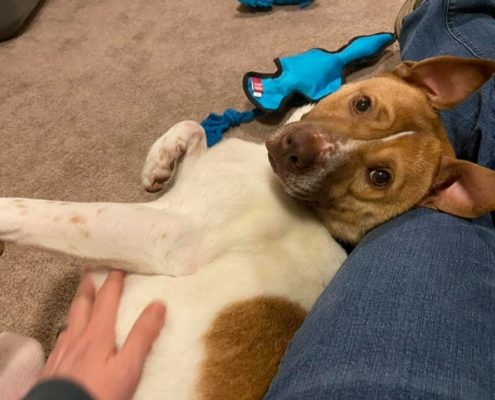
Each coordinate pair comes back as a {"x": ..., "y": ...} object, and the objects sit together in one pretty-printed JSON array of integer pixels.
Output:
[{"x": 233, "y": 192}]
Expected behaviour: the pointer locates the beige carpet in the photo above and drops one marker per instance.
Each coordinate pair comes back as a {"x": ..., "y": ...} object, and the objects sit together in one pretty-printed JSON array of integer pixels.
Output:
[{"x": 90, "y": 85}]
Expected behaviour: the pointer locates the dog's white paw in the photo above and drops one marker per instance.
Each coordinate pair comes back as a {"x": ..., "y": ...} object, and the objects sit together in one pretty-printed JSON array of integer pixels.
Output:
[
  {"x": 161, "y": 162},
  {"x": 160, "y": 165}
]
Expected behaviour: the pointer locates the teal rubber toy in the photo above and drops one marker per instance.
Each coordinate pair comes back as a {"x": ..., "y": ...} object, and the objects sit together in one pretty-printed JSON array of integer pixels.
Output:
[{"x": 314, "y": 74}]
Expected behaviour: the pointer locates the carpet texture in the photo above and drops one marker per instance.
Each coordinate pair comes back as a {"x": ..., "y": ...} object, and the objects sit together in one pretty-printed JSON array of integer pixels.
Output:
[{"x": 89, "y": 86}]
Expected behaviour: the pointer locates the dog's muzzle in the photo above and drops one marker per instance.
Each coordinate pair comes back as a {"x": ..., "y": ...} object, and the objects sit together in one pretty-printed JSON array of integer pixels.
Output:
[{"x": 298, "y": 148}]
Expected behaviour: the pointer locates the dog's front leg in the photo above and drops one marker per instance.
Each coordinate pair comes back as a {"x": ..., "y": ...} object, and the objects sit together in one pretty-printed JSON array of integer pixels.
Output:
[{"x": 132, "y": 237}]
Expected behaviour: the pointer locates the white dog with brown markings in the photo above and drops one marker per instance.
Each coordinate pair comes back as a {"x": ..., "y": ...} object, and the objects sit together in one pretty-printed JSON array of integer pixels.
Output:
[{"x": 238, "y": 261}]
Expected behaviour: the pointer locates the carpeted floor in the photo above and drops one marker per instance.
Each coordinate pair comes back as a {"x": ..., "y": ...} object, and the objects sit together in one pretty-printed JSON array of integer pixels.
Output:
[{"x": 90, "y": 84}]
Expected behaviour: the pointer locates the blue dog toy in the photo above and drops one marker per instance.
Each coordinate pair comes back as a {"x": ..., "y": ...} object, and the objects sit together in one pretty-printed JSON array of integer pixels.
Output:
[
  {"x": 313, "y": 74},
  {"x": 266, "y": 4},
  {"x": 309, "y": 76}
]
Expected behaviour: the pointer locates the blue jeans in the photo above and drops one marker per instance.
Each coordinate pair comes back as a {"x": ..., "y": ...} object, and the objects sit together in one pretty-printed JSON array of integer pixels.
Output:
[{"x": 411, "y": 313}]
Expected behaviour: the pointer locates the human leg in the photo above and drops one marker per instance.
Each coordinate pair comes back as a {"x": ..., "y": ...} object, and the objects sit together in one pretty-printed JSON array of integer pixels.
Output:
[
  {"x": 463, "y": 28},
  {"x": 411, "y": 315}
]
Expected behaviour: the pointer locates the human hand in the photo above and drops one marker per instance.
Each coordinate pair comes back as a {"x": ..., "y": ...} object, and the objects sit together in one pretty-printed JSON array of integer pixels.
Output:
[{"x": 86, "y": 352}]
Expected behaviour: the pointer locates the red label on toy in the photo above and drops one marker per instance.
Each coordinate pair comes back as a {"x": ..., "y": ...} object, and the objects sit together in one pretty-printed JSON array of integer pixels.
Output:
[{"x": 257, "y": 86}]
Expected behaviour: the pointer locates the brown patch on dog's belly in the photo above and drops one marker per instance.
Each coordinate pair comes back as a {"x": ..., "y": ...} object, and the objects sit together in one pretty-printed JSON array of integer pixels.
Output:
[{"x": 244, "y": 347}]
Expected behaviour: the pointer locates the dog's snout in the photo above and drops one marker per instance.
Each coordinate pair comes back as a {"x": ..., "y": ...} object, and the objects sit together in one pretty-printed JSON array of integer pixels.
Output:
[
  {"x": 301, "y": 149},
  {"x": 297, "y": 150}
]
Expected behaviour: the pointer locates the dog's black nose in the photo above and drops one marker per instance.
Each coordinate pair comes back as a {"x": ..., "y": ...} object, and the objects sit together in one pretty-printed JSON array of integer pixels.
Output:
[{"x": 296, "y": 150}]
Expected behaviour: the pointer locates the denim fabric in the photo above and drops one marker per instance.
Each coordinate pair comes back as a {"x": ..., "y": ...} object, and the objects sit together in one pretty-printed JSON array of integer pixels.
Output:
[
  {"x": 464, "y": 28},
  {"x": 411, "y": 313}
]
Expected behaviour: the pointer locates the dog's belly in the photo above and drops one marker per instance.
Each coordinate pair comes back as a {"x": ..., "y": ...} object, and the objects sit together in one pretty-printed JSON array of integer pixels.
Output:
[
  {"x": 259, "y": 245},
  {"x": 174, "y": 368}
]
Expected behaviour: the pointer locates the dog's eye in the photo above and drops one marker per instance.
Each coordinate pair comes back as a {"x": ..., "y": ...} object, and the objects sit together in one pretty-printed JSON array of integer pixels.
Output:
[
  {"x": 361, "y": 104},
  {"x": 379, "y": 177}
]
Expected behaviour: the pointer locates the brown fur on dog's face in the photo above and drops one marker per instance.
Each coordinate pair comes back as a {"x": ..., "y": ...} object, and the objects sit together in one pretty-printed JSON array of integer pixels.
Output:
[
  {"x": 395, "y": 107},
  {"x": 374, "y": 149}
]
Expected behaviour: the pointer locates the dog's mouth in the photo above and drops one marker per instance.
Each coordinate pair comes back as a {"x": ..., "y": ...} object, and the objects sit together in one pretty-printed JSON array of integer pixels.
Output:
[{"x": 300, "y": 187}]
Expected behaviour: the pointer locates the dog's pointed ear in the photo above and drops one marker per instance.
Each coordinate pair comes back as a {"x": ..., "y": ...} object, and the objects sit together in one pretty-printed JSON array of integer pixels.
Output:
[
  {"x": 462, "y": 188},
  {"x": 446, "y": 80}
]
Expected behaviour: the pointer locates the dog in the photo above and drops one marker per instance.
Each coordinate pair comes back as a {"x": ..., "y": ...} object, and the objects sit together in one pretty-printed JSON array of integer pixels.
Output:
[
  {"x": 236, "y": 246},
  {"x": 235, "y": 259}
]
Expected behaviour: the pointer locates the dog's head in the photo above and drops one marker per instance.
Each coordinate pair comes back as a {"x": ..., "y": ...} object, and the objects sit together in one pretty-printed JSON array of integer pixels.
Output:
[{"x": 377, "y": 148}]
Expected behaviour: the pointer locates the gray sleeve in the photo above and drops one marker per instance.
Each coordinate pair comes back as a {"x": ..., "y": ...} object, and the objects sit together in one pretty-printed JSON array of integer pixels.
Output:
[{"x": 57, "y": 389}]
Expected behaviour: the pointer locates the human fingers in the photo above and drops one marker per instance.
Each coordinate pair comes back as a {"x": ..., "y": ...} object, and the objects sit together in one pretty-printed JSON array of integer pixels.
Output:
[
  {"x": 107, "y": 300},
  {"x": 55, "y": 356},
  {"x": 79, "y": 315},
  {"x": 142, "y": 336},
  {"x": 80, "y": 309}
]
